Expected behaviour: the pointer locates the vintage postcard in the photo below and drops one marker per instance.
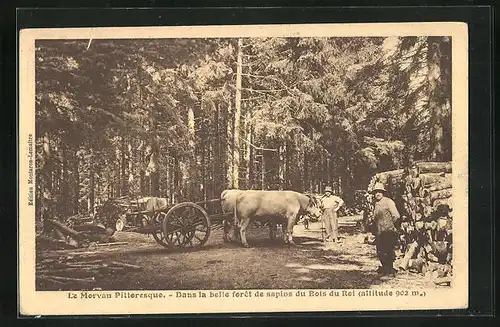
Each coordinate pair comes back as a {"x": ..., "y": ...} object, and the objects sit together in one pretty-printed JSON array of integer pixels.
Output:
[{"x": 238, "y": 169}]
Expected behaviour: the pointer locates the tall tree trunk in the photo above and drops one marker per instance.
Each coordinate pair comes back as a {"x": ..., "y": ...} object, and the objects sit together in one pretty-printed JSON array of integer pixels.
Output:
[
  {"x": 152, "y": 169},
  {"x": 251, "y": 160},
  {"x": 263, "y": 171},
  {"x": 329, "y": 171},
  {"x": 56, "y": 175},
  {"x": 65, "y": 196},
  {"x": 142, "y": 173},
  {"x": 248, "y": 152},
  {"x": 118, "y": 172},
  {"x": 142, "y": 182},
  {"x": 305, "y": 178},
  {"x": 124, "y": 186},
  {"x": 446, "y": 90},
  {"x": 314, "y": 173},
  {"x": 91, "y": 183},
  {"x": 177, "y": 181},
  {"x": 210, "y": 171},
  {"x": 237, "y": 116},
  {"x": 346, "y": 179},
  {"x": 47, "y": 199},
  {"x": 203, "y": 171},
  {"x": 153, "y": 172},
  {"x": 188, "y": 168},
  {"x": 281, "y": 167},
  {"x": 229, "y": 152},
  {"x": 168, "y": 178},
  {"x": 217, "y": 174},
  {"x": 155, "y": 179},
  {"x": 76, "y": 170},
  {"x": 322, "y": 175},
  {"x": 287, "y": 164},
  {"x": 437, "y": 100},
  {"x": 131, "y": 175}
]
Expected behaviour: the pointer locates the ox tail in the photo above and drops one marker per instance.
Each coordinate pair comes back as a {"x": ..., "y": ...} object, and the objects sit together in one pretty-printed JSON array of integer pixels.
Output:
[{"x": 235, "y": 216}]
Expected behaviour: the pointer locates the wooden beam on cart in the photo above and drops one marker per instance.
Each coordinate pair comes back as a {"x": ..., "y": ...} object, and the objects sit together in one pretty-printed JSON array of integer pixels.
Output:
[{"x": 208, "y": 201}]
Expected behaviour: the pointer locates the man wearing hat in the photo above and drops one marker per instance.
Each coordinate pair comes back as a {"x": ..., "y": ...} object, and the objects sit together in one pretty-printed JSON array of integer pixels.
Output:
[
  {"x": 385, "y": 219},
  {"x": 331, "y": 205}
]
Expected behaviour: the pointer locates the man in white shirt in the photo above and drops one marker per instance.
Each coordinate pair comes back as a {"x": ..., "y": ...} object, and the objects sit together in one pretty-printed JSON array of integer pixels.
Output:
[{"x": 331, "y": 204}]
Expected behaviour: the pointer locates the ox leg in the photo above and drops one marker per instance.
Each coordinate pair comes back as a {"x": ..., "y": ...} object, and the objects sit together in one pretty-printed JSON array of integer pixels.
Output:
[
  {"x": 236, "y": 227},
  {"x": 289, "y": 231},
  {"x": 236, "y": 233},
  {"x": 285, "y": 232},
  {"x": 243, "y": 226},
  {"x": 273, "y": 227}
]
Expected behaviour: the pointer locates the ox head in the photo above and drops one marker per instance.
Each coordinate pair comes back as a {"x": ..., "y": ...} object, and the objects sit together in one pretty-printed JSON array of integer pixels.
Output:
[{"x": 314, "y": 207}]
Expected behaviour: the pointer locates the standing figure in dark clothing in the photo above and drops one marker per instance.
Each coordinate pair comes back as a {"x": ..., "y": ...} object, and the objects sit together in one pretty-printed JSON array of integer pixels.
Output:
[{"x": 385, "y": 219}]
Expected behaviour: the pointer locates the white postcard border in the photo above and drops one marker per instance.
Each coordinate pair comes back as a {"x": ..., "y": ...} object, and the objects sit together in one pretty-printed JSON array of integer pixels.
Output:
[{"x": 34, "y": 302}]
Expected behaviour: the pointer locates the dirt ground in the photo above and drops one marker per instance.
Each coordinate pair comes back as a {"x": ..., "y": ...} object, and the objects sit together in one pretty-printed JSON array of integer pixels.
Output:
[{"x": 310, "y": 264}]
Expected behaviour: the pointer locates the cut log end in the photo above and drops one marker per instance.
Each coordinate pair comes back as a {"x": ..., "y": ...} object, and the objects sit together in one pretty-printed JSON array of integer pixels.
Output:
[{"x": 410, "y": 253}]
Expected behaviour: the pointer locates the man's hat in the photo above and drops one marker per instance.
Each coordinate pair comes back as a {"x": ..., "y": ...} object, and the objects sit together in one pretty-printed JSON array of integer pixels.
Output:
[
  {"x": 379, "y": 187},
  {"x": 328, "y": 189}
]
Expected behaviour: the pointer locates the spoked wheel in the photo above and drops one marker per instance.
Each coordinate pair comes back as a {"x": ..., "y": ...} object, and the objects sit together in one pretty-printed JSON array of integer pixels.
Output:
[
  {"x": 158, "y": 235},
  {"x": 186, "y": 224}
]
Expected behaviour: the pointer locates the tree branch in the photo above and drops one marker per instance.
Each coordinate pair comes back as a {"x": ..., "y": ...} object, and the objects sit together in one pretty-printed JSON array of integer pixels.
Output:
[
  {"x": 253, "y": 98},
  {"x": 261, "y": 91},
  {"x": 258, "y": 147},
  {"x": 257, "y": 76}
]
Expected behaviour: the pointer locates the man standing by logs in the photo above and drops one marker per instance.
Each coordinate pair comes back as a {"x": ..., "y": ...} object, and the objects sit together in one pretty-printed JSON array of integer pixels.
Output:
[
  {"x": 331, "y": 205},
  {"x": 385, "y": 221}
]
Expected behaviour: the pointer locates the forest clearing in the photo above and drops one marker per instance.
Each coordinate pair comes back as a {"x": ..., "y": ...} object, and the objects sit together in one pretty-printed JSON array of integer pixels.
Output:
[{"x": 311, "y": 264}]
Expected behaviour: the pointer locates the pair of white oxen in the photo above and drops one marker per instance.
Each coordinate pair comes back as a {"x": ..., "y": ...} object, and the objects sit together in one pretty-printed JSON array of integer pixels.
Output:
[{"x": 272, "y": 206}]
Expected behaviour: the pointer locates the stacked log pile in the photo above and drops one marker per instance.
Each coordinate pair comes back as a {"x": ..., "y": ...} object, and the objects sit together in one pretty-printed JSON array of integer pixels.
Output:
[
  {"x": 423, "y": 195},
  {"x": 77, "y": 272}
]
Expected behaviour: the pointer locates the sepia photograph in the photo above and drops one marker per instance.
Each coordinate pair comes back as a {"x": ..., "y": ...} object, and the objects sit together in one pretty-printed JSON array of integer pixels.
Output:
[{"x": 274, "y": 163}]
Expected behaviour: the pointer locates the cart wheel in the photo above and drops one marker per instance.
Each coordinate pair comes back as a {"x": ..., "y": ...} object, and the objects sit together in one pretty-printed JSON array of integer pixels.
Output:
[
  {"x": 160, "y": 238},
  {"x": 158, "y": 235},
  {"x": 186, "y": 224}
]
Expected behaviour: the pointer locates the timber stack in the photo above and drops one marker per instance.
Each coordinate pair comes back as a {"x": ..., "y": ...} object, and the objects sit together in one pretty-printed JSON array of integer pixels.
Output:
[
  {"x": 80, "y": 271},
  {"x": 423, "y": 195}
]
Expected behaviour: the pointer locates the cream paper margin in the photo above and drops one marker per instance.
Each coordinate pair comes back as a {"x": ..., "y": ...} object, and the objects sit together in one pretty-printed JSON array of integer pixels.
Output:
[{"x": 32, "y": 302}]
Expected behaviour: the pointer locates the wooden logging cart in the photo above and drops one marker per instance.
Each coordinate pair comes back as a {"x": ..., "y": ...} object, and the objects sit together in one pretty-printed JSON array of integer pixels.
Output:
[
  {"x": 423, "y": 195},
  {"x": 186, "y": 224}
]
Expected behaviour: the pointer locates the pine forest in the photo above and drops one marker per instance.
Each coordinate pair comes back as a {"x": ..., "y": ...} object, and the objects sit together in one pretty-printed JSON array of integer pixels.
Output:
[{"x": 185, "y": 119}]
